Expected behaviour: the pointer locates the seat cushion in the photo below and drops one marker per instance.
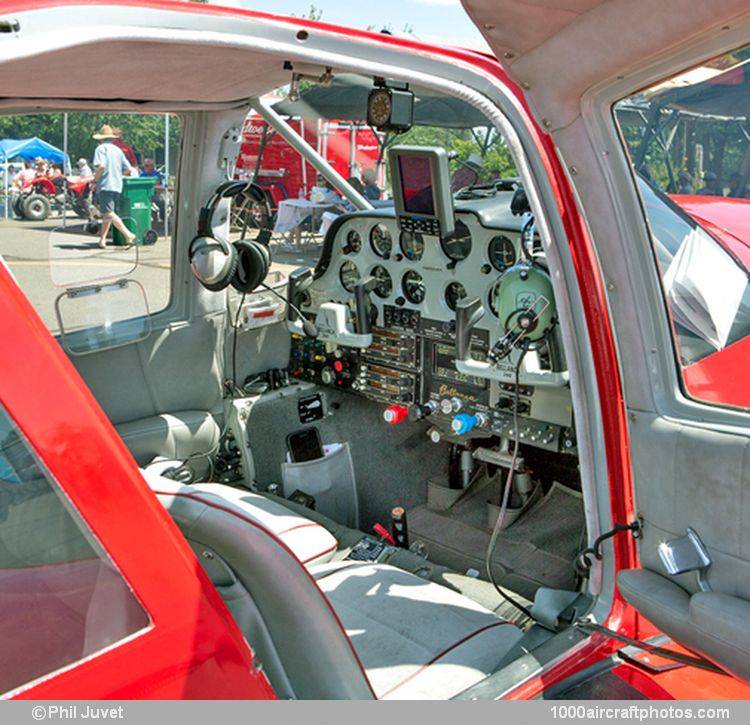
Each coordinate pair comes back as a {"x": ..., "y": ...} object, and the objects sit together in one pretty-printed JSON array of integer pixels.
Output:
[
  {"x": 416, "y": 639},
  {"x": 310, "y": 542}
]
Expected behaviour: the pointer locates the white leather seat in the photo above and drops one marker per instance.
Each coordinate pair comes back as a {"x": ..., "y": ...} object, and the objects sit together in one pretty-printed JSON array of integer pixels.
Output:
[
  {"x": 310, "y": 542},
  {"x": 377, "y": 631}
]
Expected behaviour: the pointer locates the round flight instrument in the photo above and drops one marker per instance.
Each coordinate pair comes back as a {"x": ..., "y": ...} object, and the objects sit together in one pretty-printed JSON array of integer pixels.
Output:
[
  {"x": 458, "y": 247},
  {"x": 385, "y": 283},
  {"x": 502, "y": 252},
  {"x": 413, "y": 286},
  {"x": 349, "y": 276},
  {"x": 381, "y": 241},
  {"x": 412, "y": 246},
  {"x": 454, "y": 292},
  {"x": 353, "y": 242}
]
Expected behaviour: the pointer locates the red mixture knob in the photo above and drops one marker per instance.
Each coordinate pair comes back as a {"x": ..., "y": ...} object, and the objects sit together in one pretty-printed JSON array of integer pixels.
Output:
[{"x": 395, "y": 414}]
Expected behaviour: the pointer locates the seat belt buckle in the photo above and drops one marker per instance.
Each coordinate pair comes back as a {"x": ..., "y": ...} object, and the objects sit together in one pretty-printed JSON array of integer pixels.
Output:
[{"x": 686, "y": 554}]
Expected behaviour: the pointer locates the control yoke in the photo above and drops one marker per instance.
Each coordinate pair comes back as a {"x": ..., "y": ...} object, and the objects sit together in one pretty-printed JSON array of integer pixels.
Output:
[
  {"x": 468, "y": 314},
  {"x": 299, "y": 280},
  {"x": 332, "y": 323},
  {"x": 363, "y": 323}
]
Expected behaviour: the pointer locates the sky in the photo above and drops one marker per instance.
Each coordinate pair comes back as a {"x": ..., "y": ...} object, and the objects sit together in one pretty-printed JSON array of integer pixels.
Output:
[{"x": 430, "y": 20}]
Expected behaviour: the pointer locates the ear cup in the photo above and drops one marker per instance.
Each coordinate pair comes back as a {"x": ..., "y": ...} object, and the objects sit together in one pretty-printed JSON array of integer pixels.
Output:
[
  {"x": 213, "y": 261},
  {"x": 253, "y": 262}
]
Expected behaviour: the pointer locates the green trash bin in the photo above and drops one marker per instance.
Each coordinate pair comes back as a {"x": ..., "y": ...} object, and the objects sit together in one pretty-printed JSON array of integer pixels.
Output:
[{"x": 134, "y": 208}]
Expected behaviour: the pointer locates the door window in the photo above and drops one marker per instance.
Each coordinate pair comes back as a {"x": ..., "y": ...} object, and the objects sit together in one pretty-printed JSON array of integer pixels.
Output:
[
  {"x": 688, "y": 140},
  {"x": 61, "y": 598},
  {"x": 64, "y": 176}
]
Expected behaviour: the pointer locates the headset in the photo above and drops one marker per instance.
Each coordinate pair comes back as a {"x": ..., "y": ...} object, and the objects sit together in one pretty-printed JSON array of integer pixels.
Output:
[{"x": 217, "y": 263}]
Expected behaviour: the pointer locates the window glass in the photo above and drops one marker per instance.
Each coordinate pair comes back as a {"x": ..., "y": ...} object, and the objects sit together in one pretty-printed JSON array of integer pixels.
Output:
[
  {"x": 61, "y": 598},
  {"x": 688, "y": 140},
  {"x": 301, "y": 205},
  {"x": 55, "y": 204}
]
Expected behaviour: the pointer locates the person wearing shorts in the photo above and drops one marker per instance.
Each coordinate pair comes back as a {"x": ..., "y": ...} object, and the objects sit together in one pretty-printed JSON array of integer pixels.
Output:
[{"x": 110, "y": 165}]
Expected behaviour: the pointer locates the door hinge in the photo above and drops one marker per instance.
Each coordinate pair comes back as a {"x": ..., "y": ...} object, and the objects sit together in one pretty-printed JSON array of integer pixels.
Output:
[{"x": 584, "y": 560}]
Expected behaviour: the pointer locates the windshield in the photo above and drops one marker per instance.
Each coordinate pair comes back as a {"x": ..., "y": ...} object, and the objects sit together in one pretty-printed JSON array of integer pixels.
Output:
[{"x": 301, "y": 205}]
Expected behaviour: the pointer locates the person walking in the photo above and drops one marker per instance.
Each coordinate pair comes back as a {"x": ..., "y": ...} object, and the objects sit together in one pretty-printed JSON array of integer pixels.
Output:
[{"x": 109, "y": 166}]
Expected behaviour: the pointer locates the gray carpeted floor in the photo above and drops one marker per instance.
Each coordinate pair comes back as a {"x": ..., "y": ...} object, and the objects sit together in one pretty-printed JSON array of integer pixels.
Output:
[{"x": 536, "y": 550}]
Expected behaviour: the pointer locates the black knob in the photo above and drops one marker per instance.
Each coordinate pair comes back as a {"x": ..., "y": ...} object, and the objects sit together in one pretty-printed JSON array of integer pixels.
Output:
[{"x": 417, "y": 412}]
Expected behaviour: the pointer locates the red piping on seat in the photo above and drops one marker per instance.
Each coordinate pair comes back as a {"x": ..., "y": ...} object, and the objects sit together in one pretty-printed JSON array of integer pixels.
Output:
[
  {"x": 322, "y": 553},
  {"x": 307, "y": 525},
  {"x": 438, "y": 656},
  {"x": 278, "y": 541}
]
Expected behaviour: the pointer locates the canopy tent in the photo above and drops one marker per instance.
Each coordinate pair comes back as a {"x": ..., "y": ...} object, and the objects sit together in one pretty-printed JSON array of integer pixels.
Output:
[
  {"x": 29, "y": 149},
  {"x": 723, "y": 95},
  {"x": 345, "y": 99}
]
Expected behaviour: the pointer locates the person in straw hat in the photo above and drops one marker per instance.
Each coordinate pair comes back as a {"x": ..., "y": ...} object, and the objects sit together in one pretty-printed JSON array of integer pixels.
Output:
[{"x": 109, "y": 166}]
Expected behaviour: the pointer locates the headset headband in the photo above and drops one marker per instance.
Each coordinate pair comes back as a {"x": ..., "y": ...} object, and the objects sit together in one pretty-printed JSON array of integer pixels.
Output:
[{"x": 226, "y": 190}]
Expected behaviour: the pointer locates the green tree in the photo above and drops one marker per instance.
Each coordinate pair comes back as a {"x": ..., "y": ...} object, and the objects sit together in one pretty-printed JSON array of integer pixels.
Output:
[{"x": 144, "y": 132}]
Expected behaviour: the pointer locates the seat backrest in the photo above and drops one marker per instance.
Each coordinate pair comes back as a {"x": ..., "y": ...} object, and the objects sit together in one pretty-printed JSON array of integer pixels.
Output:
[{"x": 292, "y": 627}]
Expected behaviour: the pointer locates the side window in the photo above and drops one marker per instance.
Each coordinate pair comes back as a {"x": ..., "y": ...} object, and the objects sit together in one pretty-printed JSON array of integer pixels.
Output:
[
  {"x": 88, "y": 200},
  {"x": 61, "y": 598},
  {"x": 688, "y": 142}
]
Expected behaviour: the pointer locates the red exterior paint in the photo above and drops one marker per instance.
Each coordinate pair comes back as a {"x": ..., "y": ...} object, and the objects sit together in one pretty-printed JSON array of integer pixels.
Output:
[
  {"x": 721, "y": 378},
  {"x": 684, "y": 683},
  {"x": 193, "y": 648},
  {"x": 97, "y": 444},
  {"x": 642, "y": 681},
  {"x": 725, "y": 218},
  {"x": 714, "y": 379}
]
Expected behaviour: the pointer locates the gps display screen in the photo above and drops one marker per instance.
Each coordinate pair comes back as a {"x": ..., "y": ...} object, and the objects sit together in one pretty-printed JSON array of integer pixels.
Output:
[{"x": 416, "y": 183}]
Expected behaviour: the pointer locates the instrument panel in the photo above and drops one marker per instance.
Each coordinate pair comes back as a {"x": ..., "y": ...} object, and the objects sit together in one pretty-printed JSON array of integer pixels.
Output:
[{"x": 419, "y": 279}]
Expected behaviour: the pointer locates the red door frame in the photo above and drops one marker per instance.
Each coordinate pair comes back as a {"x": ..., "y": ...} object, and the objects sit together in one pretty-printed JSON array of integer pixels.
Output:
[
  {"x": 590, "y": 283},
  {"x": 193, "y": 648}
]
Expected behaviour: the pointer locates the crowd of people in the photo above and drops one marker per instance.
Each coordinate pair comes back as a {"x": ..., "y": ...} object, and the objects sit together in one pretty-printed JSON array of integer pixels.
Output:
[
  {"x": 329, "y": 204},
  {"x": 22, "y": 177},
  {"x": 112, "y": 159}
]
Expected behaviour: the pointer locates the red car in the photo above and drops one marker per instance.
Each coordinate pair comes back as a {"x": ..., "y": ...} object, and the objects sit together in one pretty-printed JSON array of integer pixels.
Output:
[{"x": 493, "y": 446}]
